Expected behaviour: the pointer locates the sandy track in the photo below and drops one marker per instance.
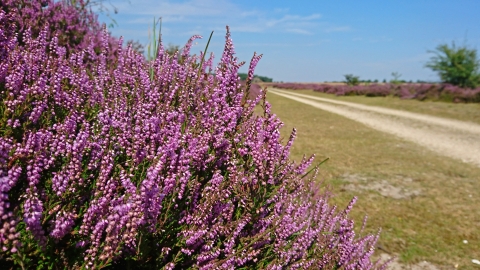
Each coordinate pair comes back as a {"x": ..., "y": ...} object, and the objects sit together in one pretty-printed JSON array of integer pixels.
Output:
[{"x": 447, "y": 137}]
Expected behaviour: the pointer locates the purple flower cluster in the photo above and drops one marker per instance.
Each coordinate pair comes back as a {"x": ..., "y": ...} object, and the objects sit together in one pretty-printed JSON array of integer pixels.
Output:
[
  {"x": 422, "y": 91},
  {"x": 163, "y": 164},
  {"x": 8, "y": 179},
  {"x": 72, "y": 22}
]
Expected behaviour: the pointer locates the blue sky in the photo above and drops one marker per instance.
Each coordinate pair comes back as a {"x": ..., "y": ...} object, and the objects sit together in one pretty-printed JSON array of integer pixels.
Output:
[{"x": 311, "y": 41}]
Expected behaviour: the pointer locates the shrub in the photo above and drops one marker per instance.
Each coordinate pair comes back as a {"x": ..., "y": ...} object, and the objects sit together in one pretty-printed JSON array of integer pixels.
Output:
[
  {"x": 396, "y": 78},
  {"x": 243, "y": 77},
  {"x": 352, "y": 80},
  {"x": 456, "y": 66},
  {"x": 103, "y": 163}
]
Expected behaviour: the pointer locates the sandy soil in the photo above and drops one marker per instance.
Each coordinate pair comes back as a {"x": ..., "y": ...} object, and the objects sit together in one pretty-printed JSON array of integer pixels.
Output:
[
  {"x": 395, "y": 265},
  {"x": 447, "y": 137},
  {"x": 393, "y": 187}
]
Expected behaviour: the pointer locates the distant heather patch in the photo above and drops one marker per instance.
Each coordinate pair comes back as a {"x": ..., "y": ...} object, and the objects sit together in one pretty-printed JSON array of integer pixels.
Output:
[{"x": 425, "y": 91}]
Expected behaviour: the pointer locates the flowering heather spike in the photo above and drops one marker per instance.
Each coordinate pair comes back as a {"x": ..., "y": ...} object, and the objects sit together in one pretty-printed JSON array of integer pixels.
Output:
[
  {"x": 350, "y": 205},
  {"x": 174, "y": 170},
  {"x": 253, "y": 63},
  {"x": 228, "y": 51},
  {"x": 365, "y": 218},
  {"x": 32, "y": 209},
  {"x": 186, "y": 49}
]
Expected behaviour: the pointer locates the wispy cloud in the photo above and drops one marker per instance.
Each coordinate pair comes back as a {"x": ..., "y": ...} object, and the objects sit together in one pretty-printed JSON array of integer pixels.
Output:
[
  {"x": 250, "y": 13},
  {"x": 299, "y": 31},
  {"x": 292, "y": 19},
  {"x": 149, "y": 20},
  {"x": 170, "y": 8},
  {"x": 216, "y": 14},
  {"x": 247, "y": 28}
]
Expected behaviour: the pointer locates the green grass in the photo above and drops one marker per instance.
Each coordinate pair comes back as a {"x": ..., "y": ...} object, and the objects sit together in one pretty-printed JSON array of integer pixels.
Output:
[{"x": 430, "y": 226}]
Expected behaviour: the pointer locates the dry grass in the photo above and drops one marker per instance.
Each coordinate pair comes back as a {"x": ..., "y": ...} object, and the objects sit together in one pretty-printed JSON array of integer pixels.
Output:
[{"x": 441, "y": 206}]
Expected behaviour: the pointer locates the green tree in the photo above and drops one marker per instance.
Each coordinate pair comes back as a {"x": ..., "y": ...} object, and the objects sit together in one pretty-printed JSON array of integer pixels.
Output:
[
  {"x": 244, "y": 76},
  {"x": 396, "y": 78},
  {"x": 351, "y": 80},
  {"x": 457, "y": 66},
  {"x": 264, "y": 78}
]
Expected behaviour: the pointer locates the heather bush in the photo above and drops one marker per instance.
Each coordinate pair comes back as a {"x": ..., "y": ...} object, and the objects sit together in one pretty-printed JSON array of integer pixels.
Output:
[
  {"x": 104, "y": 163},
  {"x": 72, "y": 23}
]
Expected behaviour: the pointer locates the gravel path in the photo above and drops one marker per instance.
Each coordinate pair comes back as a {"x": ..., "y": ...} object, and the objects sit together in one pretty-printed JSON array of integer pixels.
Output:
[{"x": 451, "y": 138}]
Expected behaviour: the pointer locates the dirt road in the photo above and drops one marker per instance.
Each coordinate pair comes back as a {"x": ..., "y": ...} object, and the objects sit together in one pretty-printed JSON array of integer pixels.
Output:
[{"x": 447, "y": 137}]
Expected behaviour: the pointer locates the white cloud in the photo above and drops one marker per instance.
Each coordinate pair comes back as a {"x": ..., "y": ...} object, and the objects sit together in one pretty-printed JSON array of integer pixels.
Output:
[
  {"x": 214, "y": 14},
  {"x": 250, "y": 13},
  {"x": 170, "y": 8},
  {"x": 149, "y": 20},
  {"x": 292, "y": 19},
  {"x": 299, "y": 31},
  {"x": 247, "y": 28}
]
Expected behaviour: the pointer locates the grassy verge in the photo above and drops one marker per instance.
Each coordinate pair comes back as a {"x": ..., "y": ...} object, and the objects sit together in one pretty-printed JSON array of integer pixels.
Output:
[
  {"x": 439, "y": 208},
  {"x": 459, "y": 111}
]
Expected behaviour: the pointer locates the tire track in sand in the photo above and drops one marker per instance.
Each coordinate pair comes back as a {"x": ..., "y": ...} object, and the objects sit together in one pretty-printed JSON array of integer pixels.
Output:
[{"x": 447, "y": 137}]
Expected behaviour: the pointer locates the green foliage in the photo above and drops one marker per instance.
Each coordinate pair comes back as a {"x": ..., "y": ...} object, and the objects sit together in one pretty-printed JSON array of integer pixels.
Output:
[
  {"x": 352, "y": 80},
  {"x": 154, "y": 44},
  {"x": 244, "y": 76},
  {"x": 264, "y": 79},
  {"x": 456, "y": 65},
  {"x": 396, "y": 78}
]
